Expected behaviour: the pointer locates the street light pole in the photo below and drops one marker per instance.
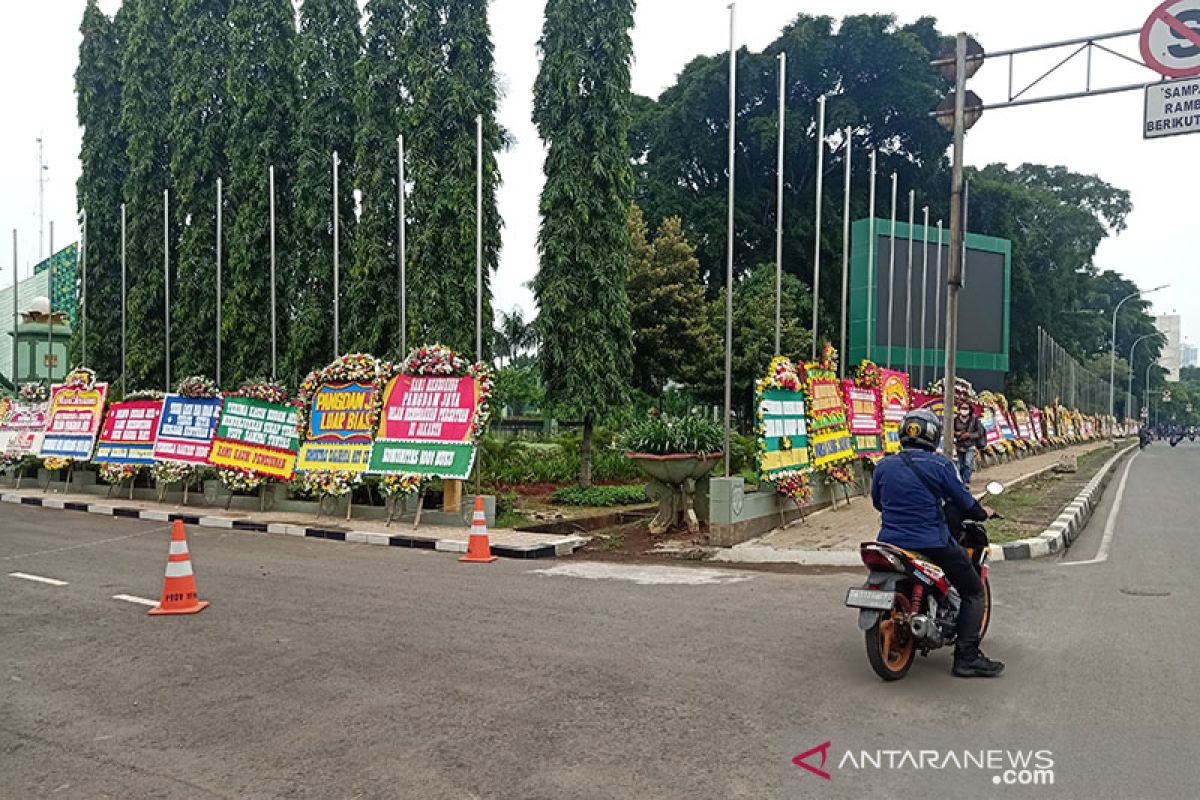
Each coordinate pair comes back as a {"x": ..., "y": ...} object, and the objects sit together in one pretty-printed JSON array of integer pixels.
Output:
[
  {"x": 954, "y": 278},
  {"x": 1132, "y": 350},
  {"x": 1112, "y": 353}
]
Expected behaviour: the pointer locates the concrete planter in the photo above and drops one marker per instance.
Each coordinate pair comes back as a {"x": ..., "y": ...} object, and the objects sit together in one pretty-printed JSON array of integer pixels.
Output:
[{"x": 673, "y": 484}]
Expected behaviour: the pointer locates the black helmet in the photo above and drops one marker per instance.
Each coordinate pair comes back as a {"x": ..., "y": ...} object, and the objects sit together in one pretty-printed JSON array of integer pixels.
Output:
[{"x": 921, "y": 429}]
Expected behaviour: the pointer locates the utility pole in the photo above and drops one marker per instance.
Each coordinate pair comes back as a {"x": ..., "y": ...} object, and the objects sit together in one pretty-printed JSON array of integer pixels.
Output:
[
  {"x": 42, "y": 170},
  {"x": 954, "y": 278}
]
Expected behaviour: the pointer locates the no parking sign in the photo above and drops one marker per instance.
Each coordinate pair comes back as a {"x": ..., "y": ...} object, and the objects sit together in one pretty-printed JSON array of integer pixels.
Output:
[{"x": 1171, "y": 39}]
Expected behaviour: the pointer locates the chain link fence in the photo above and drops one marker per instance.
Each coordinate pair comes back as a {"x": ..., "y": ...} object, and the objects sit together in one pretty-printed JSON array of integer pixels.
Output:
[{"x": 1061, "y": 377}]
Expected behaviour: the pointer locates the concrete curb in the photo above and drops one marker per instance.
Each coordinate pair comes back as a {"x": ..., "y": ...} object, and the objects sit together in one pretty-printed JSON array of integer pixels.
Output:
[
  {"x": 557, "y": 547},
  {"x": 1070, "y": 523}
]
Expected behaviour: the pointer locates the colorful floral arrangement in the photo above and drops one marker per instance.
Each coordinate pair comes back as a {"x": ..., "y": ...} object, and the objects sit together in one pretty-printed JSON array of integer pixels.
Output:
[
  {"x": 841, "y": 474},
  {"x": 264, "y": 390},
  {"x": 236, "y": 479},
  {"x": 782, "y": 374},
  {"x": 440, "y": 361},
  {"x": 329, "y": 484},
  {"x": 820, "y": 372},
  {"x": 352, "y": 368},
  {"x": 399, "y": 484},
  {"x": 168, "y": 472},
  {"x": 80, "y": 378},
  {"x": 145, "y": 394},
  {"x": 118, "y": 473},
  {"x": 793, "y": 485},
  {"x": 868, "y": 375},
  {"x": 34, "y": 392},
  {"x": 54, "y": 463},
  {"x": 198, "y": 386},
  {"x": 963, "y": 390}
]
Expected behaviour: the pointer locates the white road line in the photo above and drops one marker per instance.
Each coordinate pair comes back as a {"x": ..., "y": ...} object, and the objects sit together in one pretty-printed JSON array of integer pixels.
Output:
[
  {"x": 85, "y": 544},
  {"x": 37, "y": 578},
  {"x": 1110, "y": 525},
  {"x": 129, "y": 598},
  {"x": 646, "y": 575}
]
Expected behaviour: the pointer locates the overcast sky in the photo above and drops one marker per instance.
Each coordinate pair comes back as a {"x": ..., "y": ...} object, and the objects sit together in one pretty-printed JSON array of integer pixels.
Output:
[{"x": 1102, "y": 135}]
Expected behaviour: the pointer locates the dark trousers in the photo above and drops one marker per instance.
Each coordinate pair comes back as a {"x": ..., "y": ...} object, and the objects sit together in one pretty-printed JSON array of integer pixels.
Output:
[{"x": 962, "y": 576}]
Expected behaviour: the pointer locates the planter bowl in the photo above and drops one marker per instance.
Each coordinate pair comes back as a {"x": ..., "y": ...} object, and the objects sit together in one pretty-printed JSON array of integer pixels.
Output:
[{"x": 676, "y": 469}]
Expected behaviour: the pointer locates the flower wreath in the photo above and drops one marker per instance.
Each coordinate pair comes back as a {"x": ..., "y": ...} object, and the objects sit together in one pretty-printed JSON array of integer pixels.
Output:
[
  {"x": 781, "y": 374},
  {"x": 793, "y": 485},
  {"x": 440, "y": 361},
  {"x": 33, "y": 392},
  {"x": 240, "y": 479},
  {"x": 822, "y": 371},
  {"x": 350, "y": 368},
  {"x": 80, "y": 378},
  {"x": 868, "y": 375},
  {"x": 54, "y": 463},
  {"x": 399, "y": 484},
  {"x": 841, "y": 474},
  {"x": 198, "y": 386},
  {"x": 118, "y": 473},
  {"x": 168, "y": 472}
]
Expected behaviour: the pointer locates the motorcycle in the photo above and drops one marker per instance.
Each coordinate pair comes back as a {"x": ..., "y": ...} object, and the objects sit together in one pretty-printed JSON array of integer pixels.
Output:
[{"x": 907, "y": 605}]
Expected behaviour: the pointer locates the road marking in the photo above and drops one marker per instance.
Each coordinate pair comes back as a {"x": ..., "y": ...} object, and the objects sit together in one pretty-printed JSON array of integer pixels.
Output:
[
  {"x": 1110, "y": 525},
  {"x": 85, "y": 544},
  {"x": 129, "y": 598},
  {"x": 37, "y": 578},
  {"x": 646, "y": 576}
]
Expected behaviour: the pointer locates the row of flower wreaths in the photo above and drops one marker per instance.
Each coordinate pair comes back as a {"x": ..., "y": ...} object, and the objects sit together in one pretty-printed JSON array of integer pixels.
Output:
[
  {"x": 796, "y": 485},
  {"x": 436, "y": 360}
]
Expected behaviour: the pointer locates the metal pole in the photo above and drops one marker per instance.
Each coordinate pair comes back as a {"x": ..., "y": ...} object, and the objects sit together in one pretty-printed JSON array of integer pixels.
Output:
[
  {"x": 937, "y": 299},
  {"x": 892, "y": 272},
  {"x": 954, "y": 279},
  {"x": 816, "y": 295},
  {"x": 402, "y": 225},
  {"x": 167, "y": 285},
  {"x": 908, "y": 295},
  {"x": 124, "y": 304},
  {"x": 846, "y": 246},
  {"x": 274, "y": 340},
  {"x": 336, "y": 258},
  {"x": 220, "y": 209},
  {"x": 1112, "y": 352},
  {"x": 15, "y": 371},
  {"x": 83, "y": 268},
  {"x": 871, "y": 259},
  {"x": 50, "y": 298},
  {"x": 779, "y": 207},
  {"x": 729, "y": 236},
  {"x": 924, "y": 289},
  {"x": 479, "y": 238}
]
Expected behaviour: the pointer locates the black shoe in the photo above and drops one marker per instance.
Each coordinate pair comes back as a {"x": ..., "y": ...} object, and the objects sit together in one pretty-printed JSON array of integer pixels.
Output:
[{"x": 978, "y": 666}]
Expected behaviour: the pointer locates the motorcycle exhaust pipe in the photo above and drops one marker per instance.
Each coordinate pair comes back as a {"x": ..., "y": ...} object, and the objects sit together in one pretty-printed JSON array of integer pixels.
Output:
[{"x": 920, "y": 626}]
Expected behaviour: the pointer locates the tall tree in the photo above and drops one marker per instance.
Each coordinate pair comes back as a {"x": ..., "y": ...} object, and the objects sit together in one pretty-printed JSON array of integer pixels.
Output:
[
  {"x": 582, "y": 111},
  {"x": 372, "y": 318},
  {"x": 327, "y": 50},
  {"x": 103, "y": 161},
  {"x": 199, "y": 50},
  {"x": 672, "y": 335},
  {"x": 145, "y": 122},
  {"x": 451, "y": 79},
  {"x": 261, "y": 88}
]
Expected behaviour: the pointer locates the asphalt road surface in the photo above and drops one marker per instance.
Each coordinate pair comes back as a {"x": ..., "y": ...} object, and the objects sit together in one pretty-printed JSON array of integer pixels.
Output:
[{"x": 329, "y": 670}]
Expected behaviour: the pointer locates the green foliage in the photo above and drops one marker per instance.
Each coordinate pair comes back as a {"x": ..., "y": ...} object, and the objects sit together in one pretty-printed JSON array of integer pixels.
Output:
[
  {"x": 517, "y": 388},
  {"x": 261, "y": 89},
  {"x": 371, "y": 315},
  {"x": 145, "y": 123},
  {"x": 450, "y": 79},
  {"x": 199, "y": 49},
  {"x": 514, "y": 337},
  {"x": 581, "y": 109},
  {"x": 516, "y": 461},
  {"x": 672, "y": 335},
  {"x": 600, "y": 496},
  {"x": 660, "y": 434},
  {"x": 327, "y": 49},
  {"x": 104, "y": 166}
]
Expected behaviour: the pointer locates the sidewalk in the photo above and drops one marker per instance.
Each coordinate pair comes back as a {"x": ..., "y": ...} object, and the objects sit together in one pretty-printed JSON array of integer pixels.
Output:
[
  {"x": 505, "y": 543},
  {"x": 831, "y": 537}
]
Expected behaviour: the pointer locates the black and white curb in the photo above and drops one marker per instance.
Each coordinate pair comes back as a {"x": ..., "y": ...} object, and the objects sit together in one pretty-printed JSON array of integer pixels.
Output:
[
  {"x": 1070, "y": 523},
  {"x": 549, "y": 549}
]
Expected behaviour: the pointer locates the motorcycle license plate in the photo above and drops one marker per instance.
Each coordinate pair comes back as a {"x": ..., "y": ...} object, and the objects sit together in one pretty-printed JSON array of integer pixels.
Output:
[{"x": 870, "y": 598}]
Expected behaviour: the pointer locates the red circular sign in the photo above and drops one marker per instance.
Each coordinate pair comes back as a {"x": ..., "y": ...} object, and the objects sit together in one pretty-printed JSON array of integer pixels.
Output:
[{"x": 1170, "y": 39}]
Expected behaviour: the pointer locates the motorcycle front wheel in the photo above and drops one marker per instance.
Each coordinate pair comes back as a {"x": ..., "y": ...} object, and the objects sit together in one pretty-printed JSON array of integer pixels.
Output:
[{"x": 889, "y": 644}]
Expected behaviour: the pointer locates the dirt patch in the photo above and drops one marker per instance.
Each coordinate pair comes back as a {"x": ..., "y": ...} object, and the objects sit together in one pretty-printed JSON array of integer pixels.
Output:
[{"x": 1029, "y": 509}]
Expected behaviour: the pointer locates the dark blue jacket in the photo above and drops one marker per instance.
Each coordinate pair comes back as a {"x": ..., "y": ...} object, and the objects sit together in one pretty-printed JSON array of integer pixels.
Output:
[{"x": 912, "y": 515}]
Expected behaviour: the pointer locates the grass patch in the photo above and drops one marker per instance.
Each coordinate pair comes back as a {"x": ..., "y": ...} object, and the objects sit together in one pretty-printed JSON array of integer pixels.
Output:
[{"x": 600, "y": 496}]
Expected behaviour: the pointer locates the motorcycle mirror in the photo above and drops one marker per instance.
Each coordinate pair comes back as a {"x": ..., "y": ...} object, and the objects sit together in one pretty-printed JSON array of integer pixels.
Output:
[{"x": 995, "y": 488}]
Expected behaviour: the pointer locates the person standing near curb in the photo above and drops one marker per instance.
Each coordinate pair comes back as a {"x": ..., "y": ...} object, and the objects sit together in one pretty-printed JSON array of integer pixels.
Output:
[{"x": 969, "y": 436}]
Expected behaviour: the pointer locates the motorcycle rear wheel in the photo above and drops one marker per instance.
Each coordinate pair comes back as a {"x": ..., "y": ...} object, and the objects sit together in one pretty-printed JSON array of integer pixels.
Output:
[
  {"x": 890, "y": 646},
  {"x": 987, "y": 609}
]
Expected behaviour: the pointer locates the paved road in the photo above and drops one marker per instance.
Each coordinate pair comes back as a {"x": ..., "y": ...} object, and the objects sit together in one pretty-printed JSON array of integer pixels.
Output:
[{"x": 331, "y": 670}]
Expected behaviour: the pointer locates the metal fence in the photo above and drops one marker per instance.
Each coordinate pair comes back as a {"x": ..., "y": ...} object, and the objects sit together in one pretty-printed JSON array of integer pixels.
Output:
[{"x": 1061, "y": 377}]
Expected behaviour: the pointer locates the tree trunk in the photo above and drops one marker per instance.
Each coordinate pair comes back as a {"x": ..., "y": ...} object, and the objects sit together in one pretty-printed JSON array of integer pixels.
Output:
[{"x": 585, "y": 454}]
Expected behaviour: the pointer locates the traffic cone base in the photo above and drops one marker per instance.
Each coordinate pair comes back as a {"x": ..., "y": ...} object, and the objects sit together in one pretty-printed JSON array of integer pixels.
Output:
[
  {"x": 479, "y": 547},
  {"x": 179, "y": 585}
]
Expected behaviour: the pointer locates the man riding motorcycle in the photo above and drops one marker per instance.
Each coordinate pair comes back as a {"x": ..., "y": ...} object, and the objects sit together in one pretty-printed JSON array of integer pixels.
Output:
[{"x": 916, "y": 491}]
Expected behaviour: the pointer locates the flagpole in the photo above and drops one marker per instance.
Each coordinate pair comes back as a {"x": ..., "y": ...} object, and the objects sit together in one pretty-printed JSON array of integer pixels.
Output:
[
  {"x": 220, "y": 191},
  {"x": 167, "y": 285},
  {"x": 337, "y": 351},
  {"x": 16, "y": 314},
  {"x": 124, "y": 304},
  {"x": 402, "y": 226},
  {"x": 924, "y": 290},
  {"x": 892, "y": 272},
  {"x": 271, "y": 181},
  {"x": 50, "y": 301},
  {"x": 729, "y": 236},
  {"x": 83, "y": 268},
  {"x": 779, "y": 206},
  {"x": 871, "y": 316},
  {"x": 816, "y": 295},
  {"x": 846, "y": 246},
  {"x": 912, "y": 221},
  {"x": 937, "y": 301},
  {"x": 479, "y": 238}
]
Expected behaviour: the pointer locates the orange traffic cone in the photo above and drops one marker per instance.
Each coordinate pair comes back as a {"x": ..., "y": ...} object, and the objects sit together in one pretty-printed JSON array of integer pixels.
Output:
[
  {"x": 179, "y": 587},
  {"x": 479, "y": 548}
]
